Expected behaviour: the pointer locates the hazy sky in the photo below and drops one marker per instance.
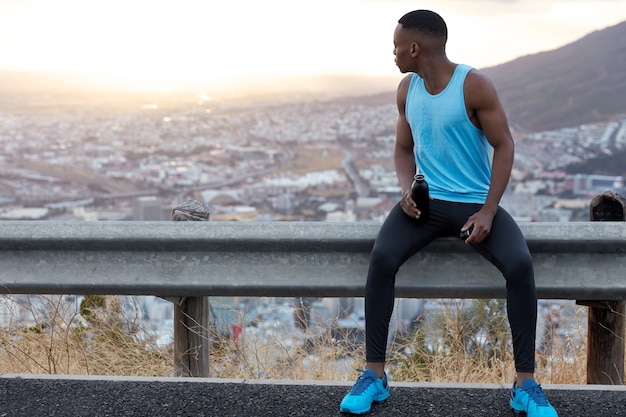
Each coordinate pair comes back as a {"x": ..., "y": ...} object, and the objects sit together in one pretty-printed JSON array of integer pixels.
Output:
[{"x": 160, "y": 41}]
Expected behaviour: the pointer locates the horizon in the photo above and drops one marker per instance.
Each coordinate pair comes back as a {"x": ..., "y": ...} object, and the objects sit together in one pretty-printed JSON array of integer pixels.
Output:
[{"x": 165, "y": 46}]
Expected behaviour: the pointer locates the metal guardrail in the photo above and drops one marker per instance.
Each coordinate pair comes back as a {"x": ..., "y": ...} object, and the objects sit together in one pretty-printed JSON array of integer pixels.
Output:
[
  {"x": 576, "y": 261},
  {"x": 314, "y": 259}
]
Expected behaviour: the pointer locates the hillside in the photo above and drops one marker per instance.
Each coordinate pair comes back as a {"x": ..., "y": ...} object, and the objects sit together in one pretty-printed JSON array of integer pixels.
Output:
[{"x": 582, "y": 82}]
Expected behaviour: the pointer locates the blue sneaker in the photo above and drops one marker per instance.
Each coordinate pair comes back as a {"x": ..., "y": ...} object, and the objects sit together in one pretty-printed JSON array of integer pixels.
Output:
[
  {"x": 529, "y": 399},
  {"x": 367, "y": 390}
]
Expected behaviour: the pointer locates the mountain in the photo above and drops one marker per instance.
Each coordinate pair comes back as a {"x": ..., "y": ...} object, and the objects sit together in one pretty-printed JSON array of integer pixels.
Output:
[{"x": 582, "y": 82}]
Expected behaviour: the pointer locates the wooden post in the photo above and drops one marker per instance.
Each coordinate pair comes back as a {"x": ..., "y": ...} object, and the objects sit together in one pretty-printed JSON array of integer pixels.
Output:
[
  {"x": 191, "y": 314},
  {"x": 605, "y": 343},
  {"x": 605, "y": 327},
  {"x": 191, "y": 337}
]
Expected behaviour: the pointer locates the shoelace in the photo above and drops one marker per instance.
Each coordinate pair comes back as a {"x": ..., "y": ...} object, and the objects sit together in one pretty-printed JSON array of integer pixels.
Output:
[
  {"x": 363, "y": 382},
  {"x": 536, "y": 394}
]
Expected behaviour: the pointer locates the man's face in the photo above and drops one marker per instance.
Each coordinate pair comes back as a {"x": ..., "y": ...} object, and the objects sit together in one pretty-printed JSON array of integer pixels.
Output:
[{"x": 403, "y": 47}]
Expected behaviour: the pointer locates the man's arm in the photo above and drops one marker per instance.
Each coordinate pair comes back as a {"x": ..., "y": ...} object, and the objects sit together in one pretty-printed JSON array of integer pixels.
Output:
[
  {"x": 403, "y": 156},
  {"x": 486, "y": 112}
]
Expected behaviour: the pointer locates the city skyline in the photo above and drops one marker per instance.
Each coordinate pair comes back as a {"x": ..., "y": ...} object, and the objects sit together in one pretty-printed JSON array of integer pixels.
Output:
[{"x": 166, "y": 44}]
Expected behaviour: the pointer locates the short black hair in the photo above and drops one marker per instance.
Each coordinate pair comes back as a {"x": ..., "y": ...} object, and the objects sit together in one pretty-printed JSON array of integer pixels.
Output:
[{"x": 426, "y": 22}]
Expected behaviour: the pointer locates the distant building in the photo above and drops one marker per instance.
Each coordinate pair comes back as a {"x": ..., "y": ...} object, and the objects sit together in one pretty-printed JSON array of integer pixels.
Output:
[
  {"x": 588, "y": 184},
  {"x": 28, "y": 213},
  {"x": 234, "y": 213},
  {"x": 147, "y": 209},
  {"x": 341, "y": 216}
]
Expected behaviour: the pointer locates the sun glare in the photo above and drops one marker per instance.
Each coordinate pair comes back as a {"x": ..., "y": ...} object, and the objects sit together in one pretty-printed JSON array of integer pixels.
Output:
[{"x": 162, "y": 44}]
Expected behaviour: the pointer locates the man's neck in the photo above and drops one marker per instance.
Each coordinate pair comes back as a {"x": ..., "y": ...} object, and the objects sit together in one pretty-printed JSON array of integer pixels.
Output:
[{"x": 437, "y": 74}]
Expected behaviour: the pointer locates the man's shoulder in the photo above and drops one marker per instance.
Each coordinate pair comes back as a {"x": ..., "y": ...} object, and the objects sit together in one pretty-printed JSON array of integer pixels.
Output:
[
  {"x": 403, "y": 86},
  {"x": 478, "y": 81},
  {"x": 406, "y": 80},
  {"x": 466, "y": 67},
  {"x": 476, "y": 75}
]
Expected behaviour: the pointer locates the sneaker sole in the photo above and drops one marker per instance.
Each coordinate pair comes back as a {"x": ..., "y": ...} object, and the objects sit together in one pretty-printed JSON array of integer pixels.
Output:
[
  {"x": 522, "y": 411},
  {"x": 345, "y": 410}
]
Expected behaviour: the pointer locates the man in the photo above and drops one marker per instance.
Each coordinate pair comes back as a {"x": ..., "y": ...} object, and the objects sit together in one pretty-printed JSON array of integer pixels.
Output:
[{"x": 450, "y": 121}]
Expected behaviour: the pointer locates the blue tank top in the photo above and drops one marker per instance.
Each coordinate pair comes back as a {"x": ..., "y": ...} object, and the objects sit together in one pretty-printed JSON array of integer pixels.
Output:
[{"x": 450, "y": 151}]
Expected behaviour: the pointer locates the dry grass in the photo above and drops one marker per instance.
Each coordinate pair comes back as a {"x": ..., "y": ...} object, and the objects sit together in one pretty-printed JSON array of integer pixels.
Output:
[
  {"x": 452, "y": 346},
  {"x": 457, "y": 352},
  {"x": 58, "y": 341}
]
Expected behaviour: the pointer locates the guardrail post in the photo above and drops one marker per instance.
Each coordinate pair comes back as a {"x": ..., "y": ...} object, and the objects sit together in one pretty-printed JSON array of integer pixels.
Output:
[
  {"x": 605, "y": 326},
  {"x": 191, "y": 337},
  {"x": 191, "y": 314}
]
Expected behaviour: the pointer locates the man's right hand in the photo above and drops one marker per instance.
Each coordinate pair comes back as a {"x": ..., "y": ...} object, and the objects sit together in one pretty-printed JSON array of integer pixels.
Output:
[{"x": 408, "y": 205}]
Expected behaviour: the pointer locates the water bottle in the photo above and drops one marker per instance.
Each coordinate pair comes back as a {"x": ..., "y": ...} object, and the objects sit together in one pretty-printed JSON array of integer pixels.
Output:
[{"x": 419, "y": 192}]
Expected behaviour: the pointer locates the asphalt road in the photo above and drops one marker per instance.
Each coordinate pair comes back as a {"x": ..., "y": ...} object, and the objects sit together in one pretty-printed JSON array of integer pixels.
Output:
[{"x": 95, "y": 397}]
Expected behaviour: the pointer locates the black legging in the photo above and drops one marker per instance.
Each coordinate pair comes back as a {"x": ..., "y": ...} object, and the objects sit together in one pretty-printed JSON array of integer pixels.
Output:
[{"x": 400, "y": 237}]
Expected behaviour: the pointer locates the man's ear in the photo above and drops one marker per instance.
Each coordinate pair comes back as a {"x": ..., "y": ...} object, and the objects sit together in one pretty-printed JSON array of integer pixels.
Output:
[{"x": 415, "y": 49}]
